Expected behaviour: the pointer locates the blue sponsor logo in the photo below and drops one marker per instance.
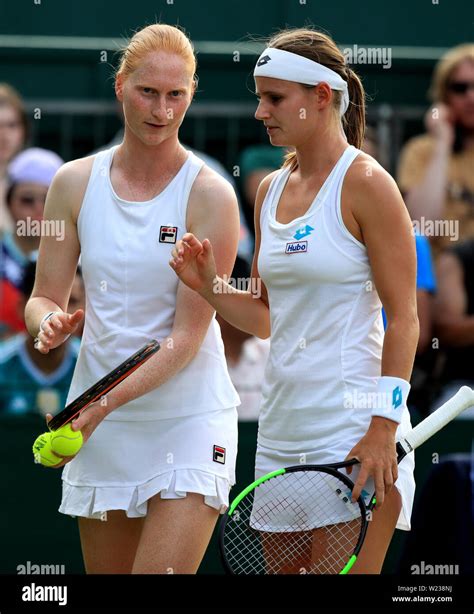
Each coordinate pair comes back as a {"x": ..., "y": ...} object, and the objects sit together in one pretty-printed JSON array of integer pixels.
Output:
[
  {"x": 296, "y": 247},
  {"x": 303, "y": 232},
  {"x": 396, "y": 397}
]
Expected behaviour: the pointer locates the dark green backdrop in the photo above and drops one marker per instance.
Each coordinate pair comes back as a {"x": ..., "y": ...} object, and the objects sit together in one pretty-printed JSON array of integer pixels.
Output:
[
  {"x": 64, "y": 50},
  {"x": 49, "y": 73}
]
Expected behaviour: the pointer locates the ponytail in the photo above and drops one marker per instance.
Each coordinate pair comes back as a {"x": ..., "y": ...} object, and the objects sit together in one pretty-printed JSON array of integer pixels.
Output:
[{"x": 353, "y": 120}]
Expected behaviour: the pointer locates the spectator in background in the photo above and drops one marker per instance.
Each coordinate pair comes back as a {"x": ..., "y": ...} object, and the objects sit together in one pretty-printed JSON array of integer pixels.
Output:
[
  {"x": 436, "y": 169},
  {"x": 245, "y": 354},
  {"x": 13, "y": 136},
  {"x": 256, "y": 162},
  {"x": 454, "y": 319},
  {"x": 31, "y": 382},
  {"x": 30, "y": 174}
]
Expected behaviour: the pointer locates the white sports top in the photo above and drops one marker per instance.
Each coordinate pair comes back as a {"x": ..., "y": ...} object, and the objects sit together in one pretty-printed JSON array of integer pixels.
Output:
[
  {"x": 327, "y": 330},
  {"x": 131, "y": 295}
]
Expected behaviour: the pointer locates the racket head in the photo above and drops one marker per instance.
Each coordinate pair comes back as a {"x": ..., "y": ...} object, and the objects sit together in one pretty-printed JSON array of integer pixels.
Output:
[
  {"x": 104, "y": 385},
  {"x": 297, "y": 520}
]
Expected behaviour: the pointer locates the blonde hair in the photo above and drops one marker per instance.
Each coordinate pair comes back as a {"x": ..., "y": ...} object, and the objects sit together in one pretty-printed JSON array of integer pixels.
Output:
[
  {"x": 321, "y": 48},
  {"x": 9, "y": 97},
  {"x": 156, "y": 37},
  {"x": 445, "y": 67}
]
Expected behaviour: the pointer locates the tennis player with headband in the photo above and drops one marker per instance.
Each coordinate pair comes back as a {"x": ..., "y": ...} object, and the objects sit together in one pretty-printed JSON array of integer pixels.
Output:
[
  {"x": 333, "y": 244},
  {"x": 159, "y": 457}
]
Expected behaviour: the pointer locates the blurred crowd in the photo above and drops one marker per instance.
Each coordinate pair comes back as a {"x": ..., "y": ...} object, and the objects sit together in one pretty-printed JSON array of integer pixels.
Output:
[{"x": 435, "y": 175}]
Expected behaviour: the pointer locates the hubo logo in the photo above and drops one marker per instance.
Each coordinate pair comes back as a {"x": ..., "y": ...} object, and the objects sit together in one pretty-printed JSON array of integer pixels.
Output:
[
  {"x": 424, "y": 568},
  {"x": 296, "y": 247}
]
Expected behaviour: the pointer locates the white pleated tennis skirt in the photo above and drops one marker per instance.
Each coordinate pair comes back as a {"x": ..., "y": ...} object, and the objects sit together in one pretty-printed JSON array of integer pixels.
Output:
[
  {"x": 124, "y": 464},
  {"x": 269, "y": 459}
]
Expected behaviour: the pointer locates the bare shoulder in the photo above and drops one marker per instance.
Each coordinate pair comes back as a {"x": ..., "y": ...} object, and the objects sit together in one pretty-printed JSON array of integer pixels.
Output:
[
  {"x": 368, "y": 189},
  {"x": 211, "y": 187},
  {"x": 366, "y": 176},
  {"x": 75, "y": 174},
  {"x": 212, "y": 201},
  {"x": 371, "y": 197},
  {"x": 70, "y": 183}
]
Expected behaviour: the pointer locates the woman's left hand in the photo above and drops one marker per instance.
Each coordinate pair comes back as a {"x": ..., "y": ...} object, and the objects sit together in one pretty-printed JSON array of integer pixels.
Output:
[
  {"x": 377, "y": 455},
  {"x": 88, "y": 421}
]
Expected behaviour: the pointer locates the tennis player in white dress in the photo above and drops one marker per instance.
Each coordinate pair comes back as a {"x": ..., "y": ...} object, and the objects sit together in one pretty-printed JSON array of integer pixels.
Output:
[
  {"x": 159, "y": 457},
  {"x": 333, "y": 243}
]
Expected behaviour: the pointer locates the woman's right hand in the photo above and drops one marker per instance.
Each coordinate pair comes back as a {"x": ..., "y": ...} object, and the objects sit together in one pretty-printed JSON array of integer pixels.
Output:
[
  {"x": 57, "y": 329},
  {"x": 194, "y": 263},
  {"x": 439, "y": 122}
]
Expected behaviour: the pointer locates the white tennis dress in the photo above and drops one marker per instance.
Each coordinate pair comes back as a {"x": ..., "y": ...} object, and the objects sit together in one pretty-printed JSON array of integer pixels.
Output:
[
  {"x": 182, "y": 436},
  {"x": 327, "y": 336}
]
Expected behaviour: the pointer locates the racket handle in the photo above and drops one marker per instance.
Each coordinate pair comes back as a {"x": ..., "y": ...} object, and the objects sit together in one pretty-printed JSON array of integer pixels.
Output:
[{"x": 463, "y": 399}]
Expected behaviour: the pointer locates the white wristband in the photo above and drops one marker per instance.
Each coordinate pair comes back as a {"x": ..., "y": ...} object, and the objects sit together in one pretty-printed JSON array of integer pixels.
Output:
[{"x": 392, "y": 394}]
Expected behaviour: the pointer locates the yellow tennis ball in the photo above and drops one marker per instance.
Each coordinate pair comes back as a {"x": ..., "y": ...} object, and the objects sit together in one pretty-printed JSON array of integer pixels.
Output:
[
  {"x": 65, "y": 441},
  {"x": 43, "y": 453}
]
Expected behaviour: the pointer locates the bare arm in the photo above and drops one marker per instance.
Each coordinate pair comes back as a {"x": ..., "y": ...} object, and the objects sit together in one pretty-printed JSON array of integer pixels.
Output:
[
  {"x": 388, "y": 236},
  {"x": 387, "y": 233},
  {"x": 57, "y": 260},
  {"x": 454, "y": 327},
  {"x": 247, "y": 311}
]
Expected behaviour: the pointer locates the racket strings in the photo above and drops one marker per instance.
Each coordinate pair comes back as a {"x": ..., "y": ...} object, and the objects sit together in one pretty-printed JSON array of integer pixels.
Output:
[{"x": 301, "y": 522}]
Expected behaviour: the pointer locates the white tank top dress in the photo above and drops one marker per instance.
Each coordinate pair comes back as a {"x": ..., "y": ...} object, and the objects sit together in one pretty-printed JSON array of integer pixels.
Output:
[
  {"x": 131, "y": 295},
  {"x": 182, "y": 436},
  {"x": 326, "y": 335}
]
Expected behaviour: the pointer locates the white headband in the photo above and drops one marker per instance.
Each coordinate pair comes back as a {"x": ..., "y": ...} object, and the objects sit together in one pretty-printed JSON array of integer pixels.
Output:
[{"x": 280, "y": 64}]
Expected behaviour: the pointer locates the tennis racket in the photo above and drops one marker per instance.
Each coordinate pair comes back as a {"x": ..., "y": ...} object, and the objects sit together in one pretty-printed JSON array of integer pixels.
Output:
[
  {"x": 301, "y": 519},
  {"x": 104, "y": 385}
]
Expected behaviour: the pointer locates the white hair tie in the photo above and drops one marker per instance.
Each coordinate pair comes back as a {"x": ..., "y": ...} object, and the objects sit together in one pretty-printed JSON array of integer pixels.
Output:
[{"x": 280, "y": 64}]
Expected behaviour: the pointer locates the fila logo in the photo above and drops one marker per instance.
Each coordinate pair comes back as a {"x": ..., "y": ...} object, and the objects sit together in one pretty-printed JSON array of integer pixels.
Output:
[
  {"x": 296, "y": 247},
  {"x": 219, "y": 455},
  {"x": 264, "y": 60},
  {"x": 168, "y": 234}
]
